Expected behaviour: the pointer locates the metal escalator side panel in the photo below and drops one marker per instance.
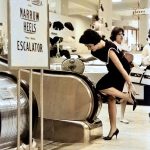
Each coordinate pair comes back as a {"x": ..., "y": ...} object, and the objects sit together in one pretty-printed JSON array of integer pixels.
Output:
[
  {"x": 91, "y": 106},
  {"x": 8, "y": 110},
  {"x": 66, "y": 97}
]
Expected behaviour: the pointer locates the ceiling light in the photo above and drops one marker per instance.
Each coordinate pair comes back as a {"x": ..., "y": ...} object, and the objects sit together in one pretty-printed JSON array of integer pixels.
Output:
[{"x": 115, "y": 1}]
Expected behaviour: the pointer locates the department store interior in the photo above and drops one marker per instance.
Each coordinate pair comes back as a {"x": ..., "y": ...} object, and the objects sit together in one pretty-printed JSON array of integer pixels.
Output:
[{"x": 48, "y": 94}]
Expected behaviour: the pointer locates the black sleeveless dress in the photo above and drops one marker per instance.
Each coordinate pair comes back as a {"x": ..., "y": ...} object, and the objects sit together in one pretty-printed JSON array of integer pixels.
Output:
[{"x": 113, "y": 78}]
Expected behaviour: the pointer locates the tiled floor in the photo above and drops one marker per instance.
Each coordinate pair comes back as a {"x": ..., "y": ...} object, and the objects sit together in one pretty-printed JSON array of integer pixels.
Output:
[{"x": 132, "y": 136}]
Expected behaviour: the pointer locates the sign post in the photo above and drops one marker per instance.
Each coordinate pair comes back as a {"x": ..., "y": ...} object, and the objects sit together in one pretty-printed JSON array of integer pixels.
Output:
[{"x": 28, "y": 38}]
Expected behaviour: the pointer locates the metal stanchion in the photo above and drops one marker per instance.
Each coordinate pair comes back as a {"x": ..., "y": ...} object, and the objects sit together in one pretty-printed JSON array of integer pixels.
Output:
[
  {"x": 30, "y": 110},
  {"x": 18, "y": 111},
  {"x": 41, "y": 102}
]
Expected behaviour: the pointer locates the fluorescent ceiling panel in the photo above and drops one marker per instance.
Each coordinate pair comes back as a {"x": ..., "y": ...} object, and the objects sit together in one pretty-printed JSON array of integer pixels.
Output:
[{"x": 114, "y": 1}]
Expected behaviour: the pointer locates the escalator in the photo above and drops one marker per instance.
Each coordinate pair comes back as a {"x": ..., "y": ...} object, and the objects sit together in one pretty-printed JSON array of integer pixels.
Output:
[{"x": 67, "y": 95}]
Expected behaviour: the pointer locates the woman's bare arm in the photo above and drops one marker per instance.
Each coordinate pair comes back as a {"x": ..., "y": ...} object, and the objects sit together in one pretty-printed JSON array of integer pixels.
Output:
[
  {"x": 119, "y": 66},
  {"x": 88, "y": 59}
]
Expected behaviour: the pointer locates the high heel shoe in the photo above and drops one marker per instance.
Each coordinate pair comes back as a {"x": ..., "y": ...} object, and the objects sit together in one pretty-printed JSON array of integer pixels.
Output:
[
  {"x": 110, "y": 137},
  {"x": 134, "y": 102}
]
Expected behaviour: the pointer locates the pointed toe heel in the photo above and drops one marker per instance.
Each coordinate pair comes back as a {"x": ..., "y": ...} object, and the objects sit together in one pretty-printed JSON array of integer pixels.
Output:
[{"x": 110, "y": 137}]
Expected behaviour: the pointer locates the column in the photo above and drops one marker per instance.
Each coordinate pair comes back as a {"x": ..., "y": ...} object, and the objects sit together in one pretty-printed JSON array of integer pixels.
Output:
[
  {"x": 62, "y": 7},
  {"x": 106, "y": 15},
  {"x": 144, "y": 24},
  {"x": 4, "y": 25},
  {"x": 3, "y": 15}
]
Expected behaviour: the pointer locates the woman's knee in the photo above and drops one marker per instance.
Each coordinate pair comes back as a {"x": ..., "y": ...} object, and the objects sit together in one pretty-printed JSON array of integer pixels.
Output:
[
  {"x": 106, "y": 91},
  {"x": 111, "y": 98}
]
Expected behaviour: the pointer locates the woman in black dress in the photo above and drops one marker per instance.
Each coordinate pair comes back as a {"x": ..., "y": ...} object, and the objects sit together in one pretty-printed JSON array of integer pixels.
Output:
[{"x": 112, "y": 83}]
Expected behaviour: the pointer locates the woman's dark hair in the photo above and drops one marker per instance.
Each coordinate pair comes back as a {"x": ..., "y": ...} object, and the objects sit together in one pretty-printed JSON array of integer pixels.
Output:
[
  {"x": 90, "y": 37},
  {"x": 115, "y": 32}
]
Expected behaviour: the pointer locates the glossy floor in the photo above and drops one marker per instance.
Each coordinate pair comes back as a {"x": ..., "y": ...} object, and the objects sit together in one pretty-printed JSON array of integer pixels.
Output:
[{"x": 132, "y": 136}]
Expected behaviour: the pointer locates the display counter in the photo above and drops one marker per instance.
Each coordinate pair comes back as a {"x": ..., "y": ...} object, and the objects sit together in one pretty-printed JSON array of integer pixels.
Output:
[{"x": 94, "y": 70}]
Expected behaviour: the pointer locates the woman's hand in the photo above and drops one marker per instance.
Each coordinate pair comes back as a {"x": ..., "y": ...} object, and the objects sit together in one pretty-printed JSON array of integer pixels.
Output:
[
  {"x": 82, "y": 58},
  {"x": 131, "y": 88}
]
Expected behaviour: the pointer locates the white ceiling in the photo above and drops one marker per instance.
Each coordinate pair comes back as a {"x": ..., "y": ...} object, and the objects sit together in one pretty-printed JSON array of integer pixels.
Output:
[
  {"x": 122, "y": 9},
  {"x": 89, "y": 7}
]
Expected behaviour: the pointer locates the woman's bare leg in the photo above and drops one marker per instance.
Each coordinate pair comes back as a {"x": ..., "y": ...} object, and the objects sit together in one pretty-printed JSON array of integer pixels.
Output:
[
  {"x": 116, "y": 93},
  {"x": 122, "y": 112},
  {"x": 112, "y": 114}
]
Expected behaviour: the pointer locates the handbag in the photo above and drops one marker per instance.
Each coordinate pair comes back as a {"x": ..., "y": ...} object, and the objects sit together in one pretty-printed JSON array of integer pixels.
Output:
[{"x": 129, "y": 57}]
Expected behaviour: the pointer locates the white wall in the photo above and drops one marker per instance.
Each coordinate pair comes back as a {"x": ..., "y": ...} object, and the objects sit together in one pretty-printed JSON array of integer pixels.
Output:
[
  {"x": 3, "y": 14},
  {"x": 125, "y": 22},
  {"x": 81, "y": 24}
]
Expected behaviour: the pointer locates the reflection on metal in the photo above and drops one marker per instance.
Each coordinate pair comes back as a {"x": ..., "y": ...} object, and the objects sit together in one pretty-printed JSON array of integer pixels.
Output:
[
  {"x": 8, "y": 112},
  {"x": 73, "y": 65},
  {"x": 67, "y": 131}
]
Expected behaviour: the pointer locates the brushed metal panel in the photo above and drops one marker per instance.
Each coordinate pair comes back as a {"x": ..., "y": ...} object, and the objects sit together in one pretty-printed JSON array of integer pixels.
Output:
[{"x": 66, "y": 97}]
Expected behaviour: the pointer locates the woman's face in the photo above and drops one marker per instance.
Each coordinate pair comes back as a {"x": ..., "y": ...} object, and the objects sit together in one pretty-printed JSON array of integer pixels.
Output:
[
  {"x": 119, "y": 37},
  {"x": 92, "y": 47}
]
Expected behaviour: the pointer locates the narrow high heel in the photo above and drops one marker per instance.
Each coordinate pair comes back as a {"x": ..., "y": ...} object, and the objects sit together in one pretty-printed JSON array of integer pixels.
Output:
[
  {"x": 134, "y": 102},
  {"x": 110, "y": 137}
]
